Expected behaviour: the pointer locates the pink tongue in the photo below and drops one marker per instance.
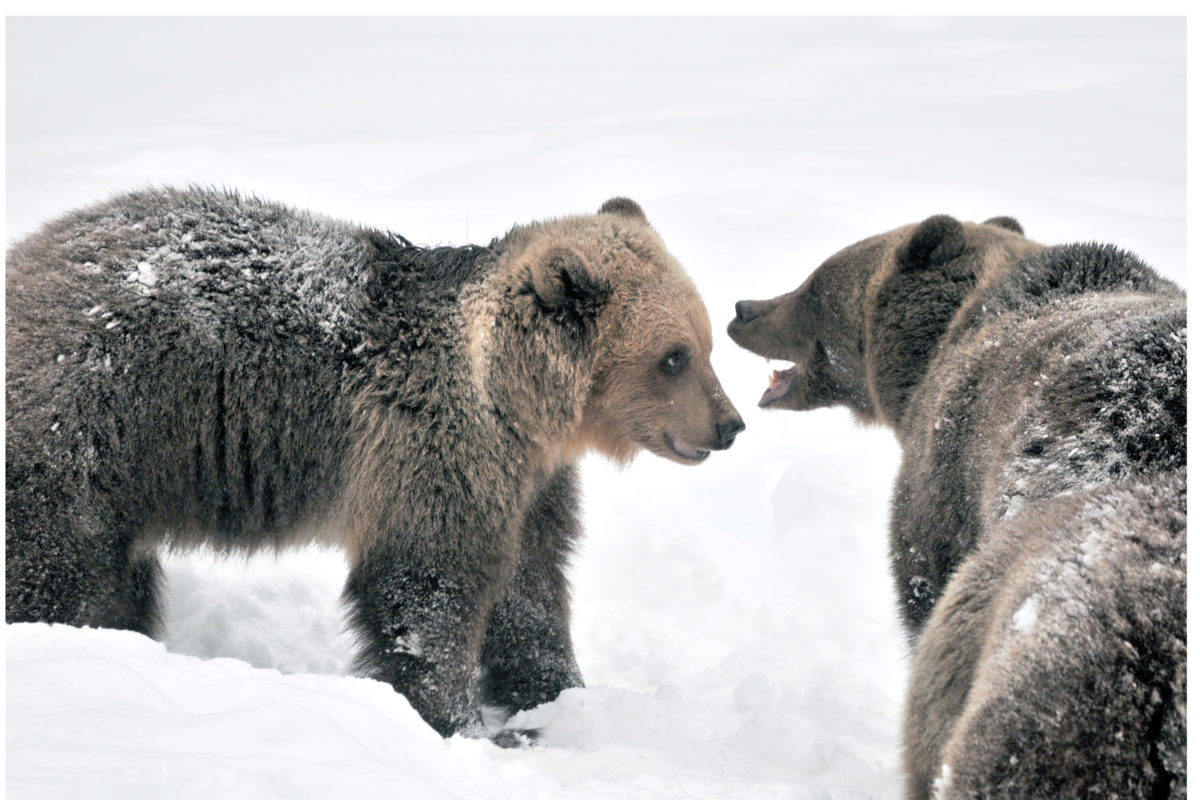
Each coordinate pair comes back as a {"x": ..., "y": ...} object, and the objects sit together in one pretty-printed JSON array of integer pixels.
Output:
[{"x": 781, "y": 382}]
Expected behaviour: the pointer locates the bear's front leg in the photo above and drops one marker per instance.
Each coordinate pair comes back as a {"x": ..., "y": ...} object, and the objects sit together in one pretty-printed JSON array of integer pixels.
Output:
[
  {"x": 420, "y": 623},
  {"x": 527, "y": 654}
]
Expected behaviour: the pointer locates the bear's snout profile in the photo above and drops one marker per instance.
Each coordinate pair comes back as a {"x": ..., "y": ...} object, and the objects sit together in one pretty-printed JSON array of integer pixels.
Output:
[{"x": 775, "y": 328}]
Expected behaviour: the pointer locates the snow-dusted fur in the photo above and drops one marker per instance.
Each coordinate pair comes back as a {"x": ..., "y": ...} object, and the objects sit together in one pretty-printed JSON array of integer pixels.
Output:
[
  {"x": 1054, "y": 663},
  {"x": 1038, "y": 525},
  {"x": 194, "y": 366}
]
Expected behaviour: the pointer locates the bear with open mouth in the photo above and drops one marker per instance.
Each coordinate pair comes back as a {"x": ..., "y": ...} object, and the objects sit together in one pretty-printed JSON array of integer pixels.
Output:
[{"x": 1038, "y": 530}]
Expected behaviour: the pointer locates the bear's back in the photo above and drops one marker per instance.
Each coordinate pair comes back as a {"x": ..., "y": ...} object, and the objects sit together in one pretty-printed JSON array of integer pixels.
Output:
[
  {"x": 1049, "y": 391},
  {"x": 185, "y": 352},
  {"x": 1102, "y": 395},
  {"x": 217, "y": 261},
  {"x": 1034, "y": 393}
]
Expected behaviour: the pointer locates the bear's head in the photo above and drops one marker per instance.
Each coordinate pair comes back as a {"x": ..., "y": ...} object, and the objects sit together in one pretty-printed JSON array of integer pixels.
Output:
[
  {"x": 863, "y": 328},
  {"x": 632, "y": 334}
]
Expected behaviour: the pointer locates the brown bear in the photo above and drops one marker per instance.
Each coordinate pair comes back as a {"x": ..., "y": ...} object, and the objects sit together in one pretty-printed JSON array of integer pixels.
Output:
[
  {"x": 1038, "y": 519},
  {"x": 194, "y": 366}
]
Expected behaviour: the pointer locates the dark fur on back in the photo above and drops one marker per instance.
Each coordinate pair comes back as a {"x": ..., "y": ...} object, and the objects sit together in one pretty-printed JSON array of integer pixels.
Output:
[
  {"x": 1041, "y": 371},
  {"x": 192, "y": 362},
  {"x": 1038, "y": 520},
  {"x": 1070, "y": 269}
]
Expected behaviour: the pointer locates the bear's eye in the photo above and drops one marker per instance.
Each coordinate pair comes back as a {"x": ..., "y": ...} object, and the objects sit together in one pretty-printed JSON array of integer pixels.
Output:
[{"x": 674, "y": 362}]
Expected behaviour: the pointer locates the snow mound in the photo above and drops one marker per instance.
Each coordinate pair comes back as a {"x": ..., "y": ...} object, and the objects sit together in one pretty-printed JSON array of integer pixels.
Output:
[{"x": 84, "y": 703}]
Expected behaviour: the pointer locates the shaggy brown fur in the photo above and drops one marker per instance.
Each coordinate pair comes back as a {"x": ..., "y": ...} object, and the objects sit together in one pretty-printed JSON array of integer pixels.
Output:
[
  {"x": 1038, "y": 396},
  {"x": 999, "y": 706},
  {"x": 194, "y": 366}
]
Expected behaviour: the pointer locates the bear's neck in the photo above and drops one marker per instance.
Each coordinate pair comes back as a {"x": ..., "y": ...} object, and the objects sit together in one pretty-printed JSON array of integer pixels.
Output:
[{"x": 525, "y": 370}]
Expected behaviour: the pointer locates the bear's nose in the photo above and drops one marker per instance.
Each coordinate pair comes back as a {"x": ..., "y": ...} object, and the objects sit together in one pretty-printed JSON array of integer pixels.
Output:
[
  {"x": 726, "y": 431},
  {"x": 745, "y": 312}
]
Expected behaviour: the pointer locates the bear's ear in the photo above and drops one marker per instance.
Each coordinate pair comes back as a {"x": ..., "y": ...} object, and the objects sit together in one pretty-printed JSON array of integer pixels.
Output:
[
  {"x": 1008, "y": 223},
  {"x": 936, "y": 241},
  {"x": 624, "y": 207},
  {"x": 566, "y": 284}
]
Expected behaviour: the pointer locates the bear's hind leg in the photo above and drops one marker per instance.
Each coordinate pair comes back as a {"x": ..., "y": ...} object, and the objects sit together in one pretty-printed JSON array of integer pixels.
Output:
[
  {"x": 77, "y": 567},
  {"x": 1082, "y": 687},
  {"x": 527, "y": 655}
]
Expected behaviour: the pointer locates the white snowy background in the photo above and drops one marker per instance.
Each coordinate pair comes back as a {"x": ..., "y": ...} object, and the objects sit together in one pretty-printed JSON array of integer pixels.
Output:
[{"x": 734, "y": 621}]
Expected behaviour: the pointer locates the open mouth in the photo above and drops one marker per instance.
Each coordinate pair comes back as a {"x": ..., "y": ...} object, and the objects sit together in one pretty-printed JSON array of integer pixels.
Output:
[
  {"x": 782, "y": 384},
  {"x": 683, "y": 450}
]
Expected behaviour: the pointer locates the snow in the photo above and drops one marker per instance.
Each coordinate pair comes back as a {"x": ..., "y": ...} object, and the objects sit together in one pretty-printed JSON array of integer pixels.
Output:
[
  {"x": 144, "y": 274},
  {"x": 1025, "y": 618},
  {"x": 944, "y": 783},
  {"x": 734, "y": 621}
]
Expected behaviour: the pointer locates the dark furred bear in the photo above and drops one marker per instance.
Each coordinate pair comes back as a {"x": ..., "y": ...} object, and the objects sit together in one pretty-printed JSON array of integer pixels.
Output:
[
  {"x": 1039, "y": 517},
  {"x": 194, "y": 366}
]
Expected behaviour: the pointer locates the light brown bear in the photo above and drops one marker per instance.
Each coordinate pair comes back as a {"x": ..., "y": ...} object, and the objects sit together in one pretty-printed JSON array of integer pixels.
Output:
[
  {"x": 196, "y": 366},
  {"x": 1039, "y": 517}
]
